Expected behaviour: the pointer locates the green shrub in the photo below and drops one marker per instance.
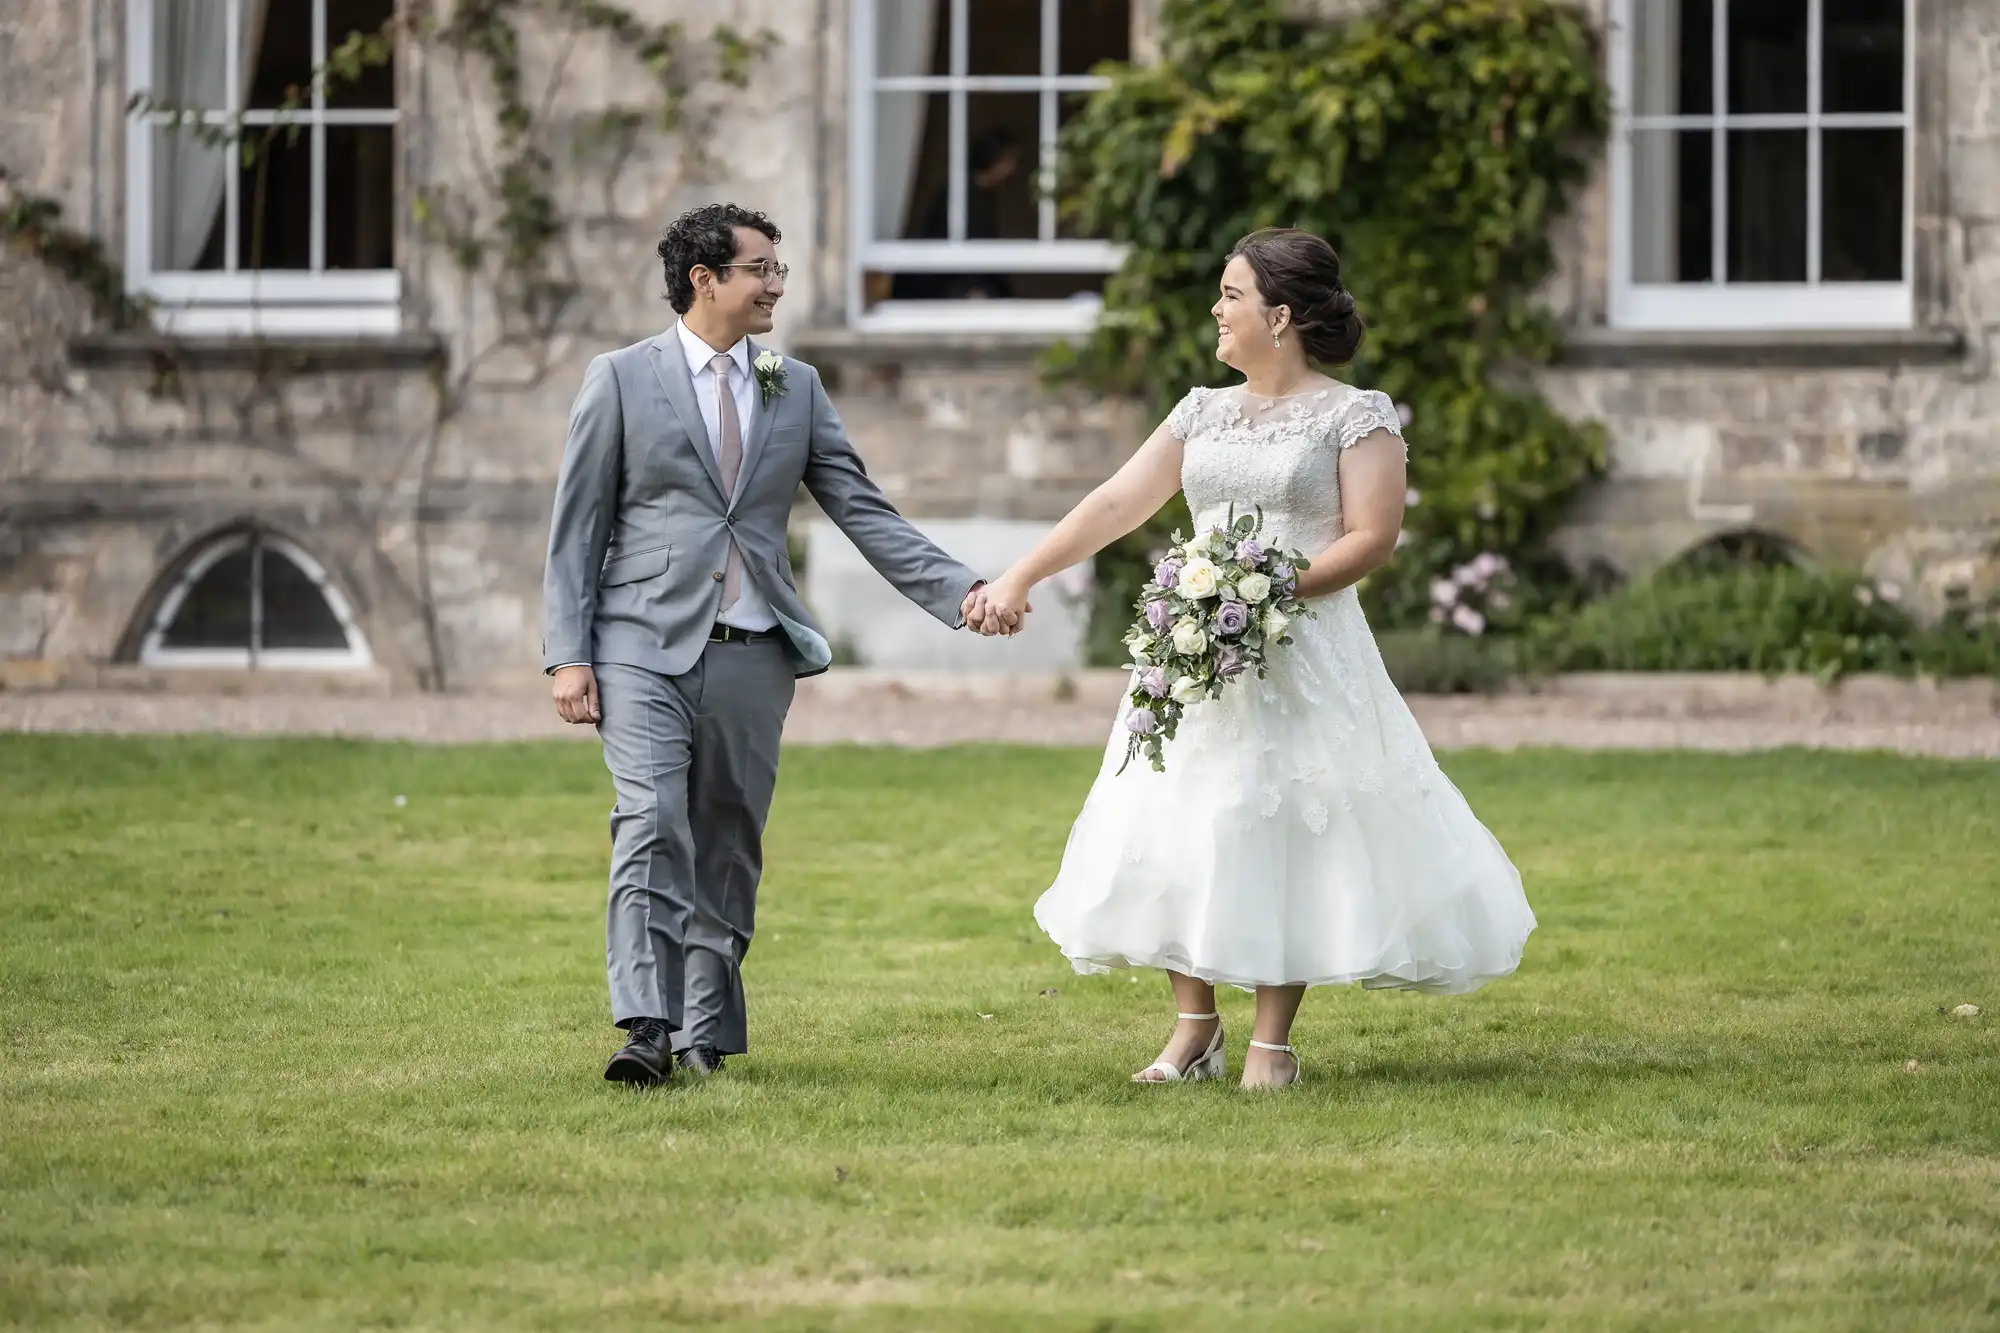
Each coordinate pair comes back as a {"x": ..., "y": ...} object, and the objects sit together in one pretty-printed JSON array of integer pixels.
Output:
[
  {"x": 1770, "y": 619},
  {"x": 1433, "y": 142},
  {"x": 1429, "y": 661}
]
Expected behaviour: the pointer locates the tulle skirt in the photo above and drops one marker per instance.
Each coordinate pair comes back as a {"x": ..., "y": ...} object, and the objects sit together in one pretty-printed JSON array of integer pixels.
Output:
[{"x": 1302, "y": 833}]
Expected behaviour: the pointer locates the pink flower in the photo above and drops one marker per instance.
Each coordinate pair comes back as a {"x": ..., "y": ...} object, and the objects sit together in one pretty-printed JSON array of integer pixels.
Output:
[
  {"x": 1468, "y": 620},
  {"x": 1444, "y": 592}
]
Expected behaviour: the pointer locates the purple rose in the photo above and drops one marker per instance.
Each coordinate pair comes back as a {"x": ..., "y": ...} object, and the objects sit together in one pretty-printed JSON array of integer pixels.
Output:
[
  {"x": 1159, "y": 616},
  {"x": 1142, "y": 722},
  {"x": 1249, "y": 552},
  {"x": 1153, "y": 680},
  {"x": 1166, "y": 572},
  {"x": 1229, "y": 663},
  {"x": 1283, "y": 574},
  {"x": 1231, "y": 619}
]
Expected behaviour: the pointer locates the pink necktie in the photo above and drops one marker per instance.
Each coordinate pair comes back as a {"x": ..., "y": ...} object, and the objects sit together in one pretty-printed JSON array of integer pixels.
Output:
[{"x": 730, "y": 456}]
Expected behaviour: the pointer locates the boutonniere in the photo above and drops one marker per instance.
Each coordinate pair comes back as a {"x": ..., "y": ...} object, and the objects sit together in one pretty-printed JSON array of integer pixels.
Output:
[{"x": 769, "y": 368}]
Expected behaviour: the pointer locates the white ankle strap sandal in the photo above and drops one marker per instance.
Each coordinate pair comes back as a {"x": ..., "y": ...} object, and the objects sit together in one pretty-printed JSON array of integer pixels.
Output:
[{"x": 1209, "y": 1065}]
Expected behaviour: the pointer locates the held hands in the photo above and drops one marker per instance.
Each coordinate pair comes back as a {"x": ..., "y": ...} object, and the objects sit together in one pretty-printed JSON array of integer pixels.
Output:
[
  {"x": 997, "y": 608},
  {"x": 575, "y": 693}
]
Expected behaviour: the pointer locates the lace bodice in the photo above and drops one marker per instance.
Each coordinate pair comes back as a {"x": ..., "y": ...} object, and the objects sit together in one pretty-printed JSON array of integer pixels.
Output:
[{"x": 1279, "y": 453}]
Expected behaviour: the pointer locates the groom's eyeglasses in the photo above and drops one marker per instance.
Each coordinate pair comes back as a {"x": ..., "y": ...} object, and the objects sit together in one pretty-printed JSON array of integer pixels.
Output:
[{"x": 764, "y": 270}]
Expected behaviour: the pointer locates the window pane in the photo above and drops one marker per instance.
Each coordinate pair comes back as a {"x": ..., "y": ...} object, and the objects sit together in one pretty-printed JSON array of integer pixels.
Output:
[
  {"x": 188, "y": 180},
  {"x": 274, "y": 201},
  {"x": 279, "y": 32},
  {"x": 1068, "y": 107},
  {"x": 1767, "y": 206},
  {"x": 1673, "y": 206},
  {"x": 883, "y": 285},
  {"x": 360, "y": 196},
  {"x": 912, "y": 159},
  {"x": 1673, "y": 57},
  {"x": 216, "y": 611},
  {"x": 295, "y": 611},
  {"x": 1862, "y": 206},
  {"x": 912, "y": 37},
  {"x": 1864, "y": 56},
  {"x": 376, "y": 85},
  {"x": 1092, "y": 31},
  {"x": 191, "y": 53},
  {"x": 1005, "y": 37},
  {"x": 1003, "y": 148},
  {"x": 1767, "y": 57}
]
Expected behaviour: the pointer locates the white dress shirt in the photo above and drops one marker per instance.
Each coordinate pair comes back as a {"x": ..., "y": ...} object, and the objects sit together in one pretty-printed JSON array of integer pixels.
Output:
[{"x": 752, "y": 611}]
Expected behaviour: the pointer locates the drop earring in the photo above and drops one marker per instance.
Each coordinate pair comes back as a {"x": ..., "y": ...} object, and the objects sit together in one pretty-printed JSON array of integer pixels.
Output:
[{"x": 1275, "y": 342}]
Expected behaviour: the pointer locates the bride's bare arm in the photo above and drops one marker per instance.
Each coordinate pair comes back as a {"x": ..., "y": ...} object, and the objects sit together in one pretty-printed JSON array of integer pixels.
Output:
[
  {"x": 1133, "y": 494},
  {"x": 1373, "y": 481}
]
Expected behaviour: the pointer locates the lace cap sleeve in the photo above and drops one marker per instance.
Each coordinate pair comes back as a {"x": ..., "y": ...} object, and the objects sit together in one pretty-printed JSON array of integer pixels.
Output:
[
  {"x": 1181, "y": 420},
  {"x": 1370, "y": 411}
]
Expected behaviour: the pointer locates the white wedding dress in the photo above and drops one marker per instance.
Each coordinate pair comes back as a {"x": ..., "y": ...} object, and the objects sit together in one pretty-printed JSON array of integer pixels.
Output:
[{"x": 1302, "y": 832}]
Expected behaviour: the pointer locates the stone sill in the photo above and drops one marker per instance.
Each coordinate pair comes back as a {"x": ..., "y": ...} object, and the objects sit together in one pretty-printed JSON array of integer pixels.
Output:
[
  {"x": 296, "y": 355},
  {"x": 854, "y": 347},
  {"x": 1812, "y": 349}
]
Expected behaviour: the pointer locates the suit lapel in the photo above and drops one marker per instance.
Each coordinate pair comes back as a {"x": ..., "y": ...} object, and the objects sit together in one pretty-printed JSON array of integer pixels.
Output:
[
  {"x": 670, "y": 364},
  {"x": 763, "y": 417}
]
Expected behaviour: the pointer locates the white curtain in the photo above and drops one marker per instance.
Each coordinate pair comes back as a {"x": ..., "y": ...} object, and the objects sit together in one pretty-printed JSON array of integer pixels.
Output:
[
  {"x": 190, "y": 71},
  {"x": 904, "y": 33},
  {"x": 1656, "y": 181}
]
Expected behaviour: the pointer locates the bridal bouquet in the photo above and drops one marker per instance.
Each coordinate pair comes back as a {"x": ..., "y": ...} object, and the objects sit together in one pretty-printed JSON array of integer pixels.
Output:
[{"x": 1217, "y": 603}]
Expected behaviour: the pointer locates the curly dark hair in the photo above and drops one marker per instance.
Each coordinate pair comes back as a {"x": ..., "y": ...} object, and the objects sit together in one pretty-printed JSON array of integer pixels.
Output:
[
  {"x": 705, "y": 235},
  {"x": 1298, "y": 269}
]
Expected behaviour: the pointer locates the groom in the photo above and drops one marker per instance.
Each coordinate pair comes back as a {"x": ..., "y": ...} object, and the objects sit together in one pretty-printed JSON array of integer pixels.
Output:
[{"x": 672, "y": 621}]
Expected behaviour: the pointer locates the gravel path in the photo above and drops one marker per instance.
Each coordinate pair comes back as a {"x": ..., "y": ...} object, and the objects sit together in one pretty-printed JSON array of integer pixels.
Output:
[{"x": 878, "y": 708}]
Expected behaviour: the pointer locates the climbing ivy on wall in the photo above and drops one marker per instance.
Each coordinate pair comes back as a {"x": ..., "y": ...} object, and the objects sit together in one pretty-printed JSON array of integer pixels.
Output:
[
  {"x": 1433, "y": 142},
  {"x": 505, "y": 233}
]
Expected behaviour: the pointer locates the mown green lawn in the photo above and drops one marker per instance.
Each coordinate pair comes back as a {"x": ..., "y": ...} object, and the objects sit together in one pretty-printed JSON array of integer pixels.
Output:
[{"x": 280, "y": 1053}]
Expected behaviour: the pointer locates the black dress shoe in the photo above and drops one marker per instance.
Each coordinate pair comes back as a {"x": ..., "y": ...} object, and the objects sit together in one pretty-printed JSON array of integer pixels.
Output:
[
  {"x": 701, "y": 1061},
  {"x": 645, "y": 1058}
]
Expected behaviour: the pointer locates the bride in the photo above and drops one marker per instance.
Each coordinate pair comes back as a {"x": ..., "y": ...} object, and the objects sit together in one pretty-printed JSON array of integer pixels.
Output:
[{"x": 1302, "y": 834}]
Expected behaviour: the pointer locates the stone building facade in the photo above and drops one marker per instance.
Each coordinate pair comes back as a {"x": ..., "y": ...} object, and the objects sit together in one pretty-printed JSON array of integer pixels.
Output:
[{"x": 336, "y": 450}]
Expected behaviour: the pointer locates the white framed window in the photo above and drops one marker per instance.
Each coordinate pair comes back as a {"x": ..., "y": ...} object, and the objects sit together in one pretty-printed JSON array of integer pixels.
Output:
[
  {"x": 250, "y": 599},
  {"x": 957, "y": 105},
  {"x": 302, "y": 240},
  {"x": 1761, "y": 165}
]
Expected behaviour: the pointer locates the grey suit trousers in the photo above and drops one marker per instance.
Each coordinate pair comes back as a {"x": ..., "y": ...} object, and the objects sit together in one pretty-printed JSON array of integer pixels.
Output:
[{"x": 694, "y": 762}]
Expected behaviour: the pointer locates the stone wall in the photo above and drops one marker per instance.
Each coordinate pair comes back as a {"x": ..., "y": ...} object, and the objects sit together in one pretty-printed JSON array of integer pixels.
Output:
[
  {"x": 117, "y": 455},
  {"x": 1872, "y": 451}
]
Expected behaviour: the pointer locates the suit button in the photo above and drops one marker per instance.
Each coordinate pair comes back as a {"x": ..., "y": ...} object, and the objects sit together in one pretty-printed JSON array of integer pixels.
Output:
[{"x": 717, "y": 576}]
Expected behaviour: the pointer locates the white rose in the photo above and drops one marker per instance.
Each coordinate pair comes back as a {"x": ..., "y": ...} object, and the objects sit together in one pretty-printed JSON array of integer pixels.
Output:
[
  {"x": 1188, "y": 638},
  {"x": 768, "y": 361},
  {"x": 1187, "y": 690},
  {"x": 1142, "y": 647},
  {"x": 1199, "y": 579},
  {"x": 1276, "y": 622},
  {"x": 1197, "y": 544},
  {"x": 1253, "y": 588}
]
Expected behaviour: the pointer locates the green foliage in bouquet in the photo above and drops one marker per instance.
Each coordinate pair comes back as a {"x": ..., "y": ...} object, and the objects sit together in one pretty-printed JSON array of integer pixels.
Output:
[{"x": 1433, "y": 142}]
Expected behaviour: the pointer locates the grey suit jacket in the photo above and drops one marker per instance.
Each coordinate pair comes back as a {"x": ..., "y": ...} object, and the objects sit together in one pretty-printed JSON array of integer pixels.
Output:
[{"x": 641, "y": 528}]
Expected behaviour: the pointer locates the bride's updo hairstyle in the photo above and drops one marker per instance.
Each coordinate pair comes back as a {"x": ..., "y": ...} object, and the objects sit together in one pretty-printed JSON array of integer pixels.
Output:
[{"x": 1297, "y": 269}]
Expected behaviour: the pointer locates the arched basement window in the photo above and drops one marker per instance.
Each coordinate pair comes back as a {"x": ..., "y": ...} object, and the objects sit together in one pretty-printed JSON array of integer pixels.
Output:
[{"x": 252, "y": 599}]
